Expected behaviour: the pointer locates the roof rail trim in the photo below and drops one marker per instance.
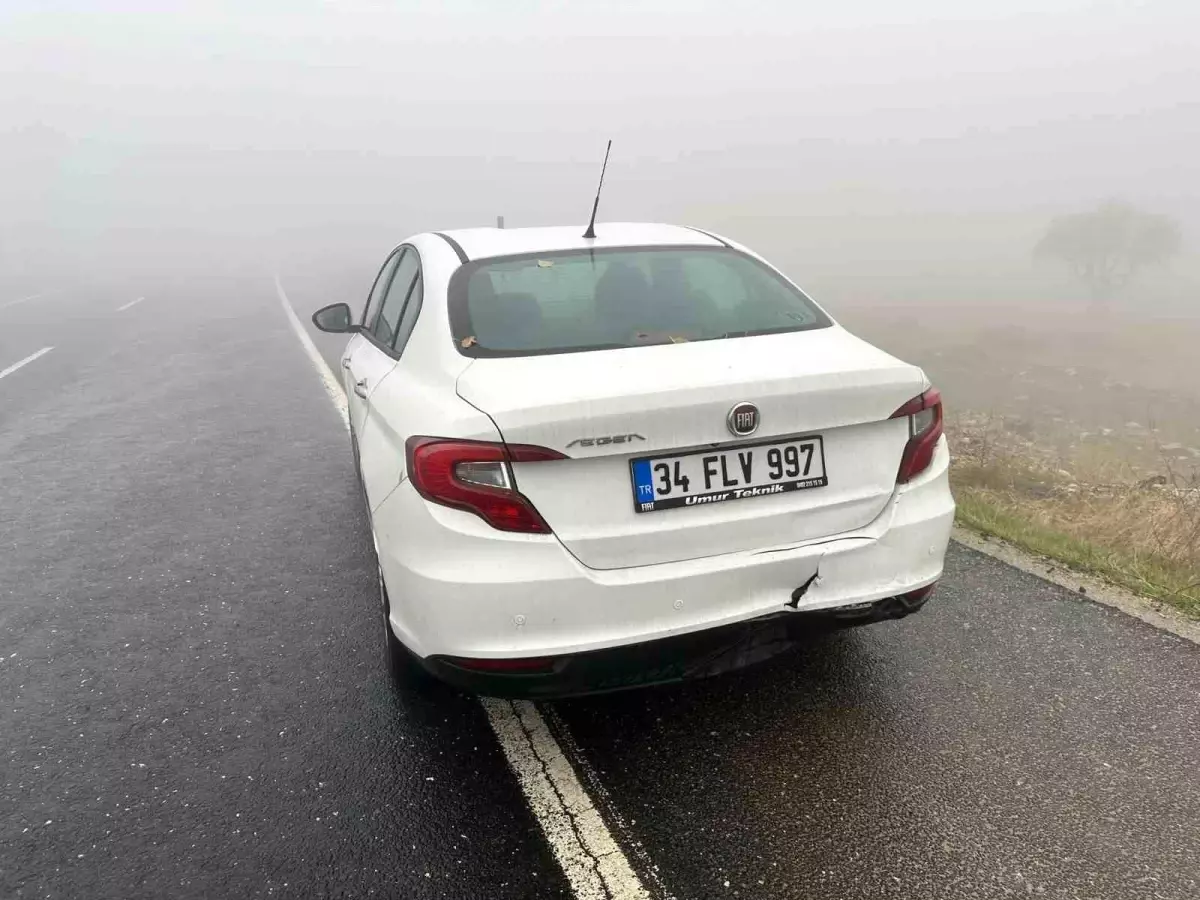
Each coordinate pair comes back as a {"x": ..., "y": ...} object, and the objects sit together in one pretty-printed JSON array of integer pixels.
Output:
[
  {"x": 462, "y": 256},
  {"x": 720, "y": 241}
]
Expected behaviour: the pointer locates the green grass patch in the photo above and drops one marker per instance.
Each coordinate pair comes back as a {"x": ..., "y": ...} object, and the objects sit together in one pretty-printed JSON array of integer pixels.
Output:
[{"x": 1161, "y": 579}]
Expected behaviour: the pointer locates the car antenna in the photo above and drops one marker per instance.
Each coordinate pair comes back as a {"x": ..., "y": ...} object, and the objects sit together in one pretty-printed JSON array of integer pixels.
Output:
[{"x": 591, "y": 229}]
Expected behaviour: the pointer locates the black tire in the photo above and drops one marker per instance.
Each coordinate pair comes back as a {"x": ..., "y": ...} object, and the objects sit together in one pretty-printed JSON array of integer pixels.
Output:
[
  {"x": 403, "y": 668},
  {"x": 362, "y": 488}
]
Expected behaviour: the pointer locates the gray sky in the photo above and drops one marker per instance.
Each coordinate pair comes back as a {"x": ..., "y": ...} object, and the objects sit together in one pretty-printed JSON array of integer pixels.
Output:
[{"x": 274, "y": 128}]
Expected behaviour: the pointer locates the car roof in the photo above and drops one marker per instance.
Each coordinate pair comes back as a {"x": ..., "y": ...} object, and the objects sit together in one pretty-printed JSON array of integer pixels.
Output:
[{"x": 482, "y": 243}]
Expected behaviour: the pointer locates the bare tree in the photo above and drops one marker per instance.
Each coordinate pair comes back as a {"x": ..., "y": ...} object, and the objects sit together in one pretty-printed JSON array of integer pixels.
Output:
[{"x": 1106, "y": 247}]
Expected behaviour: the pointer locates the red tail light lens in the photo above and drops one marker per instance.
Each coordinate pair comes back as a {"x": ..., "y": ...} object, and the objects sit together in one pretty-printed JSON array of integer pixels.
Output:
[
  {"x": 924, "y": 414},
  {"x": 475, "y": 476}
]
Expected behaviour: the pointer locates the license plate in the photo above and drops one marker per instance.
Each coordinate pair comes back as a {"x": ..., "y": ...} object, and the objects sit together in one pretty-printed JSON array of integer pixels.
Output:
[{"x": 734, "y": 473}]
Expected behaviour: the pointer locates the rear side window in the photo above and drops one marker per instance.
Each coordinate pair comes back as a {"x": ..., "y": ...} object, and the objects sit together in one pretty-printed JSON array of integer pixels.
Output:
[
  {"x": 379, "y": 290},
  {"x": 409, "y": 317},
  {"x": 393, "y": 305},
  {"x": 570, "y": 301}
]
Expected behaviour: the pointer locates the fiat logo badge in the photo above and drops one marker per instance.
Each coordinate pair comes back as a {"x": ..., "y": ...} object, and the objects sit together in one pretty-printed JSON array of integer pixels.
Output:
[{"x": 743, "y": 419}]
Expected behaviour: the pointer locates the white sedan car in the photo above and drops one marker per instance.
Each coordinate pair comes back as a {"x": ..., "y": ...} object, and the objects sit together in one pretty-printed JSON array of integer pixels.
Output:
[{"x": 592, "y": 463}]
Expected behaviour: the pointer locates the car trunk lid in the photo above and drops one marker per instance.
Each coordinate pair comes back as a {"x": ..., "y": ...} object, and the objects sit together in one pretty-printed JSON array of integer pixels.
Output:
[{"x": 605, "y": 408}]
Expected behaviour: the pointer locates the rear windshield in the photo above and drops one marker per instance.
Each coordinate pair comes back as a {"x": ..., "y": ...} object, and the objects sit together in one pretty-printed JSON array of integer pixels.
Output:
[{"x": 578, "y": 300}]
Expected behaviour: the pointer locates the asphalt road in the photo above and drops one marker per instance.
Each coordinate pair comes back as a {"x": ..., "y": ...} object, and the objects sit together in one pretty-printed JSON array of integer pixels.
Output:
[{"x": 193, "y": 702}]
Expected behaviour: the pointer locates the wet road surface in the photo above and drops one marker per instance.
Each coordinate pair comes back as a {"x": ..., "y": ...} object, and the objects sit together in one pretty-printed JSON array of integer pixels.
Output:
[
  {"x": 1010, "y": 740},
  {"x": 193, "y": 703},
  {"x": 193, "y": 698}
]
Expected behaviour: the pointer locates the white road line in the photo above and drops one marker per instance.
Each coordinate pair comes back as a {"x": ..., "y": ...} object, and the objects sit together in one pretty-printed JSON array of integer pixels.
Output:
[
  {"x": 589, "y": 777},
  {"x": 330, "y": 382},
  {"x": 19, "y": 300},
  {"x": 130, "y": 303},
  {"x": 26, "y": 361},
  {"x": 590, "y": 857}
]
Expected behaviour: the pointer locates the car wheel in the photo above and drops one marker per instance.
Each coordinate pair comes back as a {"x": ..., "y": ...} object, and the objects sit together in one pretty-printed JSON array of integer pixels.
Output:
[
  {"x": 402, "y": 667},
  {"x": 354, "y": 455},
  {"x": 362, "y": 487}
]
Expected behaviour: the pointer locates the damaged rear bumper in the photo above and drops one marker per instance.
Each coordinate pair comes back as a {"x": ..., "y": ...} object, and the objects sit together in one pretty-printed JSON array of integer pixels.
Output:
[
  {"x": 526, "y": 597},
  {"x": 684, "y": 657}
]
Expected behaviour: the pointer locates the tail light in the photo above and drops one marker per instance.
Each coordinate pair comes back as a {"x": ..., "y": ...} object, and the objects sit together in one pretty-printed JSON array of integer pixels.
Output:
[
  {"x": 924, "y": 414},
  {"x": 476, "y": 476}
]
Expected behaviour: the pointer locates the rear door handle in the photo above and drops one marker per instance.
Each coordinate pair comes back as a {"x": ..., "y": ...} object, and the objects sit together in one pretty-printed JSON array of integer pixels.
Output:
[
  {"x": 360, "y": 388},
  {"x": 346, "y": 363}
]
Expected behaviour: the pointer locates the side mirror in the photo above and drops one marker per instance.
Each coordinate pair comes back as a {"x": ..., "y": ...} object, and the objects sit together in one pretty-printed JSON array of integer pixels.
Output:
[{"x": 335, "y": 318}]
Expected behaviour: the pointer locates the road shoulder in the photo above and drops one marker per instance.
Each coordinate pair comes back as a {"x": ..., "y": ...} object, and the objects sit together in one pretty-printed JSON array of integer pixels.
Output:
[{"x": 1087, "y": 586}]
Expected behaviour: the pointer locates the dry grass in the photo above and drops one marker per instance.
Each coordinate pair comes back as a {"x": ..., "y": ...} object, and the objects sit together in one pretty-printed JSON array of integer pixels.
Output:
[
  {"x": 1093, "y": 510},
  {"x": 1092, "y": 453}
]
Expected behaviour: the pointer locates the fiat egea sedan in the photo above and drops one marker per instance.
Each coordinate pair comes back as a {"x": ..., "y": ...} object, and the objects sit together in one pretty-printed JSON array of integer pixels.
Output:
[{"x": 593, "y": 463}]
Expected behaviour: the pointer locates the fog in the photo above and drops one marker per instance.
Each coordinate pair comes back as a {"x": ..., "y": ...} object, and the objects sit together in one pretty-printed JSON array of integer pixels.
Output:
[{"x": 878, "y": 151}]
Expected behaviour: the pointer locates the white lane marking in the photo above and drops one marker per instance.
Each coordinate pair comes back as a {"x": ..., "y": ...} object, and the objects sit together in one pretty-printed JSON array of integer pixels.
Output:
[
  {"x": 598, "y": 793},
  {"x": 26, "y": 361},
  {"x": 130, "y": 303},
  {"x": 19, "y": 300},
  {"x": 330, "y": 382},
  {"x": 594, "y": 864}
]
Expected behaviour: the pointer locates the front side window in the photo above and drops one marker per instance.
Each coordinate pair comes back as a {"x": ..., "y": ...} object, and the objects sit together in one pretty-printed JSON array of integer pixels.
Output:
[{"x": 591, "y": 300}]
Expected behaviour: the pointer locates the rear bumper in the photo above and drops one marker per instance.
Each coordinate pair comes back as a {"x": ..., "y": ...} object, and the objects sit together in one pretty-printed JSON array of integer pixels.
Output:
[
  {"x": 461, "y": 589},
  {"x": 699, "y": 654}
]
